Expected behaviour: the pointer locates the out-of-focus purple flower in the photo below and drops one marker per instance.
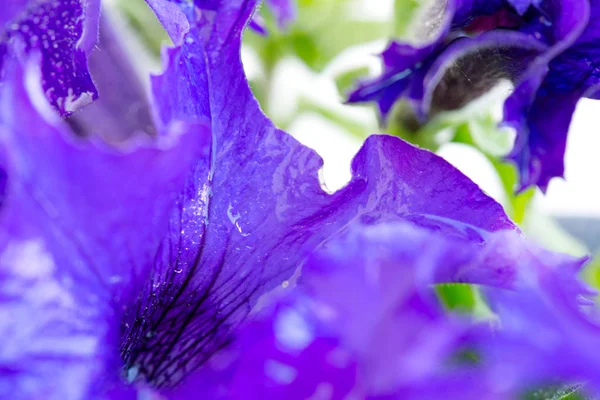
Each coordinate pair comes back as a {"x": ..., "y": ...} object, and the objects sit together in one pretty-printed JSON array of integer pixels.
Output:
[
  {"x": 364, "y": 323},
  {"x": 545, "y": 47},
  {"x": 544, "y": 337}
]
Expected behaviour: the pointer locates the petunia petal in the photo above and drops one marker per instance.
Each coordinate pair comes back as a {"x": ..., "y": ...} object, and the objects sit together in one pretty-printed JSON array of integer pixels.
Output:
[
  {"x": 122, "y": 108},
  {"x": 250, "y": 214},
  {"x": 80, "y": 226},
  {"x": 397, "y": 82},
  {"x": 406, "y": 63},
  {"x": 364, "y": 323},
  {"x": 360, "y": 325},
  {"x": 558, "y": 352},
  {"x": 257, "y": 24},
  {"x": 63, "y": 32},
  {"x": 541, "y": 135},
  {"x": 542, "y": 105},
  {"x": 542, "y": 128}
]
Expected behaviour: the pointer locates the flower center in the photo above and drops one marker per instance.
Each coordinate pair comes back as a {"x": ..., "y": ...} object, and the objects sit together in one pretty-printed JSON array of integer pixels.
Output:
[{"x": 503, "y": 18}]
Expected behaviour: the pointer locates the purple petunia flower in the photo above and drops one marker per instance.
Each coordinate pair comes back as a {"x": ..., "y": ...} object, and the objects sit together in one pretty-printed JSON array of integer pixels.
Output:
[
  {"x": 364, "y": 323},
  {"x": 545, "y": 47},
  {"x": 131, "y": 270}
]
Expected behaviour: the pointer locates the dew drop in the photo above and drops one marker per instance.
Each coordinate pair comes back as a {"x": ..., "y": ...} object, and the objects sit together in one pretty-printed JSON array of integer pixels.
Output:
[
  {"x": 232, "y": 217},
  {"x": 132, "y": 373},
  {"x": 279, "y": 372},
  {"x": 545, "y": 21},
  {"x": 239, "y": 228},
  {"x": 292, "y": 331}
]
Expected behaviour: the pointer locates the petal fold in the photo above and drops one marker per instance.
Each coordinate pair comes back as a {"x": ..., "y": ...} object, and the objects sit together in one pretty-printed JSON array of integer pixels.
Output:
[
  {"x": 364, "y": 322},
  {"x": 80, "y": 226}
]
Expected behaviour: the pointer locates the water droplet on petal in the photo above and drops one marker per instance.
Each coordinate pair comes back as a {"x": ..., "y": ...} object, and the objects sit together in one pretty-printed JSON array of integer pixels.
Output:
[
  {"x": 132, "y": 373},
  {"x": 279, "y": 372}
]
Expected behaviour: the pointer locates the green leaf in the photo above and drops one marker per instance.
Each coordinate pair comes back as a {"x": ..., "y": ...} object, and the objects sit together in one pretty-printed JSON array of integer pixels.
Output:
[
  {"x": 144, "y": 22},
  {"x": 488, "y": 137},
  {"x": 404, "y": 13},
  {"x": 357, "y": 130},
  {"x": 592, "y": 271},
  {"x": 323, "y": 29},
  {"x": 457, "y": 297},
  {"x": 402, "y": 123},
  {"x": 313, "y": 14},
  {"x": 463, "y": 298},
  {"x": 518, "y": 202},
  {"x": 567, "y": 392},
  {"x": 304, "y": 47},
  {"x": 550, "y": 235},
  {"x": 346, "y": 80},
  {"x": 341, "y": 33}
]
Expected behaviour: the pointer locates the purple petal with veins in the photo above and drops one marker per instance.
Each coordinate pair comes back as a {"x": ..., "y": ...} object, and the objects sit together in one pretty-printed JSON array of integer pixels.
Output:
[{"x": 545, "y": 47}]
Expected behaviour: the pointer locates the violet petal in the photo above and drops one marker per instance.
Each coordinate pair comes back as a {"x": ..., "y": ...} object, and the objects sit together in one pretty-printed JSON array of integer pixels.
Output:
[
  {"x": 248, "y": 217},
  {"x": 122, "y": 108},
  {"x": 64, "y": 32},
  {"x": 80, "y": 226},
  {"x": 364, "y": 322}
]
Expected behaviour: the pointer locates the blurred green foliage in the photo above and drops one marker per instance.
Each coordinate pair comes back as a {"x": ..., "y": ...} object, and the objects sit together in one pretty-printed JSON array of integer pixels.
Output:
[
  {"x": 143, "y": 21},
  {"x": 463, "y": 298},
  {"x": 569, "y": 392},
  {"x": 323, "y": 29},
  {"x": 404, "y": 14}
]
